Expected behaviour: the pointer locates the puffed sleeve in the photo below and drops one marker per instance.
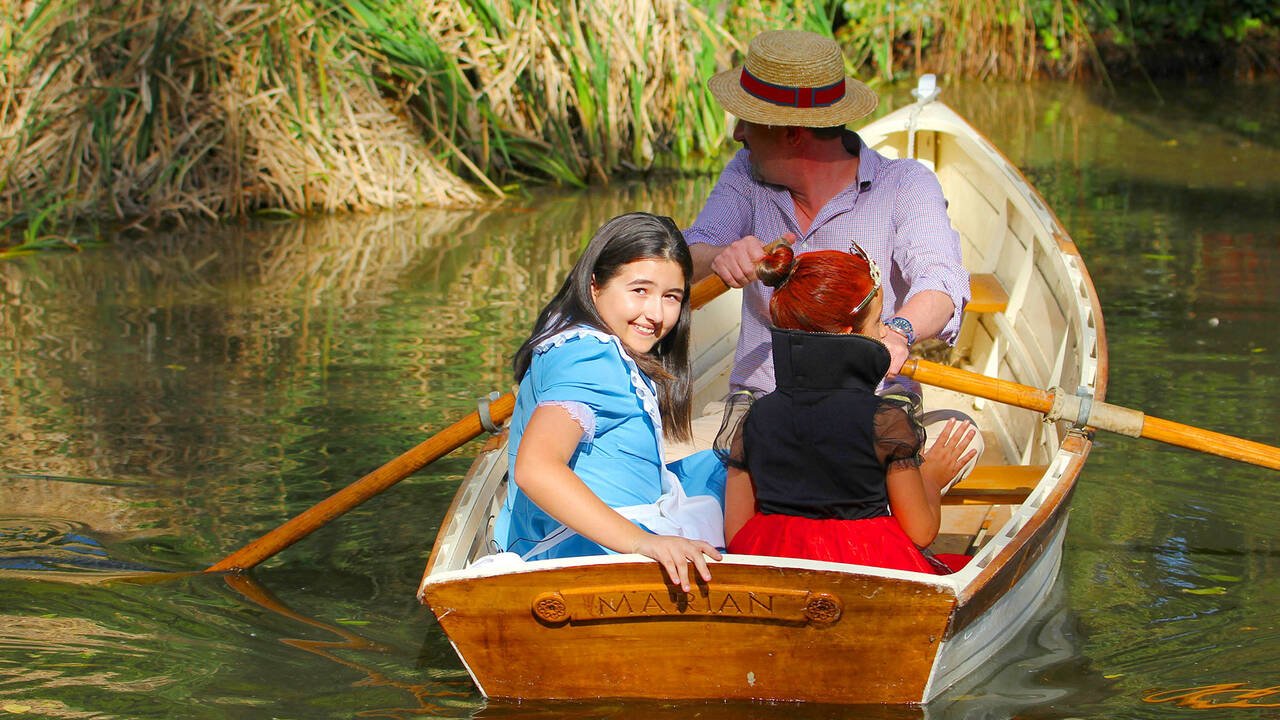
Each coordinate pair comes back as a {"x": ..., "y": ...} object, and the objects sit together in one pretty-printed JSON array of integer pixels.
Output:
[
  {"x": 728, "y": 445},
  {"x": 899, "y": 434},
  {"x": 588, "y": 373}
]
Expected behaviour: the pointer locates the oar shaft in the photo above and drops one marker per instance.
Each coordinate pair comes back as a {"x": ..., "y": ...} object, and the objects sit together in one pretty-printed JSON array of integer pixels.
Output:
[
  {"x": 706, "y": 290},
  {"x": 437, "y": 446},
  {"x": 1103, "y": 416},
  {"x": 1227, "y": 446},
  {"x": 971, "y": 383}
]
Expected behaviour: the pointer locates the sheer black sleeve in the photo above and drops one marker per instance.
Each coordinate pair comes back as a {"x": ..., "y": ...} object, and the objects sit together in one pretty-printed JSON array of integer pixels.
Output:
[
  {"x": 899, "y": 434},
  {"x": 728, "y": 445}
]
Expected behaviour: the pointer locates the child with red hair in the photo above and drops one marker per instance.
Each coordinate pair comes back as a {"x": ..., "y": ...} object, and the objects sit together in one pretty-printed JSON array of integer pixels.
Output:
[{"x": 824, "y": 468}]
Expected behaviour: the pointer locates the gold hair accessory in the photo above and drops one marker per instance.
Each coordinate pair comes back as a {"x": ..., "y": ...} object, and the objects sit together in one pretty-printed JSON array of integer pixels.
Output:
[{"x": 856, "y": 250}]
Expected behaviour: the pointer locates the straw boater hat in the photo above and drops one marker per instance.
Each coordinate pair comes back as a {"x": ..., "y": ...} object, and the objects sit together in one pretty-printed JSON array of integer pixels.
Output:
[{"x": 793, "y": 77}]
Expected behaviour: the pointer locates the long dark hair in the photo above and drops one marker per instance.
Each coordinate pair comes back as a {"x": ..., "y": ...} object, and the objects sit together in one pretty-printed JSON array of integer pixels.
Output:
[{"x": 625, "y": 239}]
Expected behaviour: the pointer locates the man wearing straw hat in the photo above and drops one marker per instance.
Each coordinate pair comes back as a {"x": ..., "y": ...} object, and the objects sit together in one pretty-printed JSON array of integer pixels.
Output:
[{"x": 801, "y": 175}]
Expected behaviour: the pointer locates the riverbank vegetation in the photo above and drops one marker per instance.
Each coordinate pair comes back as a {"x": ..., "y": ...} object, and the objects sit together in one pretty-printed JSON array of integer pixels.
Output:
[
  {"x": 157, "y": 109},
  {"x": 145, "y": 111},
  {"x": 1025, "y": 39}
]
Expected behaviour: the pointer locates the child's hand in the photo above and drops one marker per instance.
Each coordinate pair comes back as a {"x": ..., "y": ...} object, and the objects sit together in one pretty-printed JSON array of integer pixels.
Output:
[
  {"x": 674, "y": 554},
  {"x": 943, "y": 460}
]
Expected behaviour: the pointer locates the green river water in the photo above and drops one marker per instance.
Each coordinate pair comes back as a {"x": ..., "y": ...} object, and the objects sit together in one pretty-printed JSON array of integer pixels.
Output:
[{"x": 164, "y": 401}]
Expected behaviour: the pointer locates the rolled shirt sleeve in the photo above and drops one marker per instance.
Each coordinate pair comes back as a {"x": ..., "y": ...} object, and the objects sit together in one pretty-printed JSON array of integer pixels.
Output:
[{"x": 927, "y": 252}]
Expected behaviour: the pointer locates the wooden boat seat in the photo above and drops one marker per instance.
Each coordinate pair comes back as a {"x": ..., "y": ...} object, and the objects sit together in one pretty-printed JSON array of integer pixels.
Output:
[
  {"x": 966, "y": 528},
  {"x": 988, "y": 295},
  {"x": 995, "y": 485}
]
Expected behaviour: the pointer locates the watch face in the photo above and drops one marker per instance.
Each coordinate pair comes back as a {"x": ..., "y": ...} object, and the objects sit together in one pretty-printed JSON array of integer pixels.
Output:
[{"x": 903, "y": 326}]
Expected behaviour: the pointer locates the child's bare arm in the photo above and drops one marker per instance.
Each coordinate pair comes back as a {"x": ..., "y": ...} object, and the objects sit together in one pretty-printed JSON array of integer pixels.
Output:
[
  {"x": 916, "y": 504},
  {"x": 739, "y": 501},
  {"x": 946, "y": 456},
  {"x": 915, "y": 494},
  {"x": 542, "y": 472}
]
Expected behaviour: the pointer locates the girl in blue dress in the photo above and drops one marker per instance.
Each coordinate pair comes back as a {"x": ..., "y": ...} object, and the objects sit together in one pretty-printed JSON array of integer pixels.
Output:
[{"x": 603, "y": 377}]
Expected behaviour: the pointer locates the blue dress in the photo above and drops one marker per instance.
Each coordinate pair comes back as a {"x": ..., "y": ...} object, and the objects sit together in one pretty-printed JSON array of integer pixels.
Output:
[{"x": 619, "y": 456}]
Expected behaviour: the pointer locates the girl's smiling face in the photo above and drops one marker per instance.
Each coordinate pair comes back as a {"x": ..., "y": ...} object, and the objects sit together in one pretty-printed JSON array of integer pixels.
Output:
[{"x": 642, "y": 302}]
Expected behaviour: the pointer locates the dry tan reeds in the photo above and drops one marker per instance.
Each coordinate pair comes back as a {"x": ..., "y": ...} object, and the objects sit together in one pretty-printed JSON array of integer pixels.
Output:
[
  {"x": 1012, "y": 39},
  {"x": 149, "y": 108},
  {"x": 155, "y": 109},
  {"x": 1000, "y": 38},
  {"x": 567, "y": 90}
]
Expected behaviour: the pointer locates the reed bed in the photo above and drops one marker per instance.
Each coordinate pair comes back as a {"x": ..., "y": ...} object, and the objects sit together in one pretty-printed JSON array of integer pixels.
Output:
[
  {"x": 1012, "y": 39},
  {"x": 571, "y": 91},
  {"x": 157, "y": 109}
]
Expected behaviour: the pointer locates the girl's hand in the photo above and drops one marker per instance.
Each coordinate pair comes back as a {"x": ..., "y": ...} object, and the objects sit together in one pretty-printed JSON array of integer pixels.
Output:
[
  {"x": 943, "y": 460},
  {"x": 674, "y": 554}
]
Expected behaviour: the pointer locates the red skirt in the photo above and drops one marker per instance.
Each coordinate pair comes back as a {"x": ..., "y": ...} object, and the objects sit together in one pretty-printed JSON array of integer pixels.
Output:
[{"x": 879, "y": 542}]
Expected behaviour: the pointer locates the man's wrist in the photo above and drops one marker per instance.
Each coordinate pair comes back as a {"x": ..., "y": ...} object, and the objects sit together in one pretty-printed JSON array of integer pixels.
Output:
[{"x": 902, "y": 326}]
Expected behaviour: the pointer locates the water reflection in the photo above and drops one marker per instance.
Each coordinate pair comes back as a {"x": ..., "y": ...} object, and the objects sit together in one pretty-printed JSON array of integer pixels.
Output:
[
  {"x": 43, "y": 545},
  {"x": 169, "y": 398},
  {"x": 428, "y": 698},
  {"x": 220, "y": 370}
]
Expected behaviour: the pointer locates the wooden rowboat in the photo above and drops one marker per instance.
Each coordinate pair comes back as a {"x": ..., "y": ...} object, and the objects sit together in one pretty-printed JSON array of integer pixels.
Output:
[{"x": 782, "y": 629}]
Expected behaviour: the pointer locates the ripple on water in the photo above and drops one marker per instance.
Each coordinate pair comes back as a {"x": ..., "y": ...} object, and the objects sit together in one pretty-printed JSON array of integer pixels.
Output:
[
  {"x": 199, "y": 647},
  {"x": 48, "y": 545}
]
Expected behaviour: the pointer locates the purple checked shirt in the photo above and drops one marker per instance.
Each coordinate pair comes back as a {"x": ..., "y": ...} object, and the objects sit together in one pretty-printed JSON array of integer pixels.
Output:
[{"x": 895, "y": 211}]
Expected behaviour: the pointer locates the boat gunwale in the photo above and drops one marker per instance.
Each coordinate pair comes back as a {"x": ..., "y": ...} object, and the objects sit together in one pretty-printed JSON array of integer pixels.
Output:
[
  {"x": 994, "y": 579},
  {"x": 494, "y": 443},
  {"x": 979, "y": 590},
  {"x": 944, "y": 582},
  {"x": 1045, "y": 213}
]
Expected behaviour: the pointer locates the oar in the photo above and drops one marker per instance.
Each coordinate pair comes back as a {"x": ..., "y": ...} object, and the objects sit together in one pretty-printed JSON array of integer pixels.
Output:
[
  {"x": 425, "y": 453},
  {"x": 1060, "y": 405}
]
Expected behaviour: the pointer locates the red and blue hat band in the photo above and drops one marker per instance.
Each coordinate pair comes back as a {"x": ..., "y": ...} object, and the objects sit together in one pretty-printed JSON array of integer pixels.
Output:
[{"x": 797, "y": 97}]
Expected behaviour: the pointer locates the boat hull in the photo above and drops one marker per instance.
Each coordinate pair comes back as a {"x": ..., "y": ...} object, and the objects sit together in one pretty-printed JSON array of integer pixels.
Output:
[{"x": 757, "y": 632}]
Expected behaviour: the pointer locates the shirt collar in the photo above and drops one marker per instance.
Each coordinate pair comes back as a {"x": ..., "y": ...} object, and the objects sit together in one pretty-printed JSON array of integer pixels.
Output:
[
  {"x": 868, "y": 160},
  {"x": 827, "y": 361},
  {"x": 868, "y": 167}
]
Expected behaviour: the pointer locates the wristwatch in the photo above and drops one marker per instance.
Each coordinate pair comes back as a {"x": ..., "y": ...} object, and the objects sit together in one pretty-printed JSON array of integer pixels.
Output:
[{"x": 902, "y": 326}]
